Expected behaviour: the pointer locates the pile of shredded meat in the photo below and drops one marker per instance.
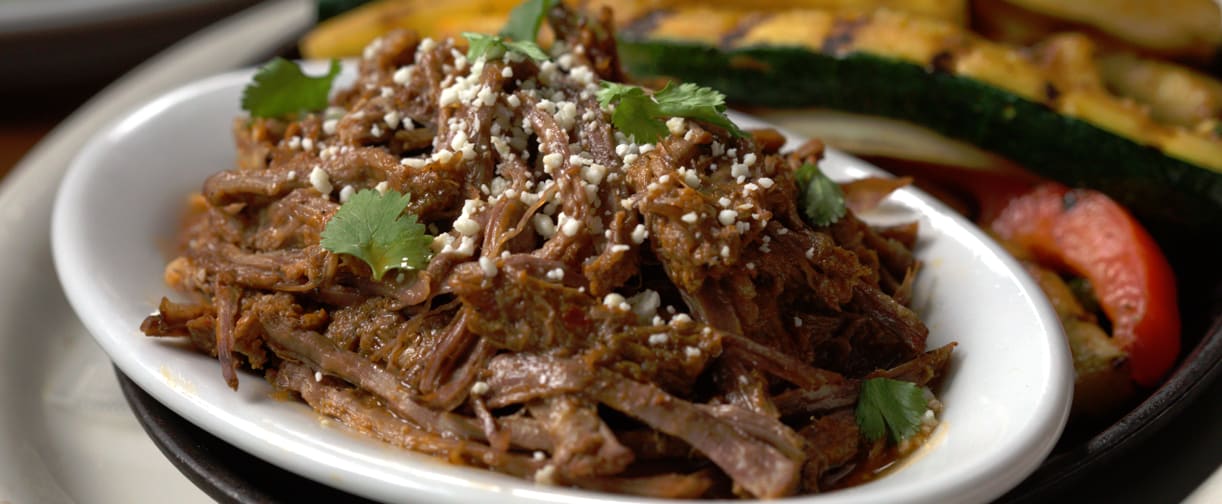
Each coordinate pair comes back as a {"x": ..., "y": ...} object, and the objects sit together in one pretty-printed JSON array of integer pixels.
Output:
[{"x": 645, "y": 319}]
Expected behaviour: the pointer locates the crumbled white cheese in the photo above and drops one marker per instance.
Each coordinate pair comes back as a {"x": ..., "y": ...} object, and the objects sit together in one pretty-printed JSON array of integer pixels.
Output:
[
  {"x": 568, "y": 225},
  {"x": 392, "y": 119},
  {"x": 372, "y": 49},
  {"x": 552, "y": 161},
  {"x": 488, "y": 264},
  {"x": 645, "y": 304},
  {"x": 615, "y": 300},
  {"x": 566, "y": 115},
  {"x": 676, "y": 125},
  {"x": 594, "y": 173},
  {"x": 320, "y": 180},
  {"x": 449, "y": 96},
  {"x": 464, "y": 224},
  {"x": 689, "y": 217},
  {"x": 479, "y": 388},
  {"x": 543, "y": 224},
  {"x": 346, "y": 193},
  {"x": 485, "y": 97},
  {"x": 466, "y": 247},
  {"x": 658, "y": 339},
  {"x": 403, "y": 74},
  {"x": 459, "y": 141},
  {"x": 727, "y": 217},
  {"x": 442, "y": 243},
  {"x": 639, "y": 234},
  {"x": 692, "y": 178}
]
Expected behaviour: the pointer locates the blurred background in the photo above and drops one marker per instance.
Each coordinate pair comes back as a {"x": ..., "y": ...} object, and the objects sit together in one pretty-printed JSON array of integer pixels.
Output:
[{"x": 58, "y": 53}]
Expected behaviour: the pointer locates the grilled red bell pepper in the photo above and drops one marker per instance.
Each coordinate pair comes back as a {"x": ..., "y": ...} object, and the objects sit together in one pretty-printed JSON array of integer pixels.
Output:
[{"x": 1086, "y": 233}]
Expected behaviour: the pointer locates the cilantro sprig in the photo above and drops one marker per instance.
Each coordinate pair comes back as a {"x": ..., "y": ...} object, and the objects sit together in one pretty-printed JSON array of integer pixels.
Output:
[
  {"x": 642, "y": 116},
  {"x": 887, "y": 405},
  {"x": 820, "y": 199},
  {"x": 280, "y": 88},
  {"x": 372, "y": 227},
  {"x": 481, "y": 45},
  {"x": 518, "y": 35}
]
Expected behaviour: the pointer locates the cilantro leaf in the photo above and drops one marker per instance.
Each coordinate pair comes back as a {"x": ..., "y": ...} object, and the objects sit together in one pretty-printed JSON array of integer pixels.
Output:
[
  {"x": 530, "y": 49},
  {"x": 614, "y": 91},
  {"x": 635, "y": 114},
  {"x": 371, "y": 227},
  {"x": 482, "y": 45},
  {"x": 493, "y": 47},
  {"x": 525, "y": 20},
  {"x": 696, "y": 102},
  {"x": 821, "y": 199},
  {"x": 893, "y": 405},
  {"x": 641, "y": 116},
  {"x": 280, "y": 88}
]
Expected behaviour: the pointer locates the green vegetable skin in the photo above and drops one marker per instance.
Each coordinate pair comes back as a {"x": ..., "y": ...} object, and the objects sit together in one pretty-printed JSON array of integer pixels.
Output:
[
  {"x": 1166, "y": 193},
  {"x": 328, "y": 9}
]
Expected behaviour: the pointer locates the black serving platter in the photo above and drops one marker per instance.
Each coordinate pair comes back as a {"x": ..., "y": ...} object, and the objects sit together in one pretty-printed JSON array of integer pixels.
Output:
[
  {"x": 1135, "y": 454},
  {"x": 224, "y": 472}
]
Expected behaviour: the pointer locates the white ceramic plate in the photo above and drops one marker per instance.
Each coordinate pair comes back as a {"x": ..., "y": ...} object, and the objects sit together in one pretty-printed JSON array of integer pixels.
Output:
[{"x": 1006, "y": 398}]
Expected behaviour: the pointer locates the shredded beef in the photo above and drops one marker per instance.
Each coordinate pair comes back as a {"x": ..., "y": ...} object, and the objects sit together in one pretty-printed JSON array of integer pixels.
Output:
[{"x": 650, "y": 319}]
